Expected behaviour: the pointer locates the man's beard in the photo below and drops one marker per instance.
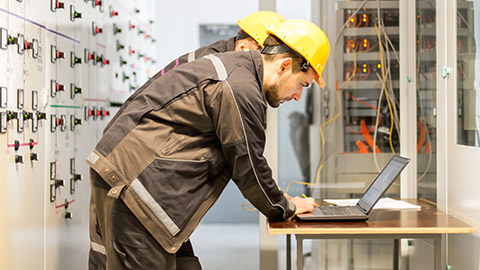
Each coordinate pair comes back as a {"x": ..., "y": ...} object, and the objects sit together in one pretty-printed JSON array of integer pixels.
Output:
[{"x": 271, "y": 92}]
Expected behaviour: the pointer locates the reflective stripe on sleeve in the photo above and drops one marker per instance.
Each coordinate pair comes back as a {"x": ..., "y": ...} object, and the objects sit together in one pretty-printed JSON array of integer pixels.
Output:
[{"x": 191, "y": 56}]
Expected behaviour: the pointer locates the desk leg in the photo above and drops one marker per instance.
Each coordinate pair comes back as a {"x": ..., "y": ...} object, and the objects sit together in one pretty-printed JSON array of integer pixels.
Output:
[
  {"x": 439, "y": 252},
  {"x": 299, "y": 253},
  {"x": 396, "y": 251},
  {"x": 289, "y": 252}
]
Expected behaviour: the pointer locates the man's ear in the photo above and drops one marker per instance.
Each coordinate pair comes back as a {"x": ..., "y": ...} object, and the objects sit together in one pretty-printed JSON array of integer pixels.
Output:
[
  {"x": 285, "y": 63},
  {"x": 242, "y": 45}
]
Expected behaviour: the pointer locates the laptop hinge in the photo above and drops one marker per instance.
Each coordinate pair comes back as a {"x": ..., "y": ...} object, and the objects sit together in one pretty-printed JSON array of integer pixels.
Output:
[{"x": 361, "y": 208}]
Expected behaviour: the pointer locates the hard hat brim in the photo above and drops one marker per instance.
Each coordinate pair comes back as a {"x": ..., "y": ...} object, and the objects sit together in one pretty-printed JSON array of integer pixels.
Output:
[{"x": 319, "y": 80}]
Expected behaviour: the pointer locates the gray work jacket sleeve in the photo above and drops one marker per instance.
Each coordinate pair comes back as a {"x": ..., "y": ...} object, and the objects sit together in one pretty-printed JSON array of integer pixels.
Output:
[{"x": 238, "y": 112}]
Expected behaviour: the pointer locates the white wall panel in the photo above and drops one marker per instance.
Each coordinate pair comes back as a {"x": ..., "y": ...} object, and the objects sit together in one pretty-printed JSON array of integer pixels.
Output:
[{"x": 34, "y": 231}]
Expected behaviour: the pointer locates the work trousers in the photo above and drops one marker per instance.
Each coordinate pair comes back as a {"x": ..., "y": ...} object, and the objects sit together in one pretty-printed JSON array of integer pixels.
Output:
[{"x": 120, "y": 241}]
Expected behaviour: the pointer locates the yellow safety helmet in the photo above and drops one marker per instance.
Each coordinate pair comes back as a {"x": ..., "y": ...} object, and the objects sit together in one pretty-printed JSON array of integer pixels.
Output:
[
  {"x": 257, "y": 24},
  {"x": 308, "y": 40}
]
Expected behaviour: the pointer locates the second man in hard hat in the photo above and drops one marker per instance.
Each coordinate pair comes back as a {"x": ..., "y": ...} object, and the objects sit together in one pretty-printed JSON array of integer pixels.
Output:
[{"x": 252, "y": 34}]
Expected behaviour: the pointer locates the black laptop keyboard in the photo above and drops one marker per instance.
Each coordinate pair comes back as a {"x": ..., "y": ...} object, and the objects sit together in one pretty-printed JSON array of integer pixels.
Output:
[{"x": 340, "y": 210}]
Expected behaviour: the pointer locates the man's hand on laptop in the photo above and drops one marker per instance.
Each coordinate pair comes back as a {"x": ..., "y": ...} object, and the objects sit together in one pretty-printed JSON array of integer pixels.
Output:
[{"x": 303, "y": 205}]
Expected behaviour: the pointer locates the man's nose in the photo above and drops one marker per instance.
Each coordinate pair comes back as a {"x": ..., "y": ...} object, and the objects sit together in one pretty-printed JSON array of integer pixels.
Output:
[{"x": 298, "y": 94}]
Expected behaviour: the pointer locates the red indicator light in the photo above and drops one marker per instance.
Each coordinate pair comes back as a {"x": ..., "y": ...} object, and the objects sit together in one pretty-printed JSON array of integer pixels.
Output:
[
  {"x": 105, "y": 113},
  {"x": 147, "y": 36},
  {"x": 147, "y": 58},
  {"x": 132, "y": 51},
  {"x": 106, "y": 62},
  {"x": 98, "y": 112},
  {"x": 132, "y": 26},
  {"x": 90, "y": 112},
  {"x": 133, "y": 65}
]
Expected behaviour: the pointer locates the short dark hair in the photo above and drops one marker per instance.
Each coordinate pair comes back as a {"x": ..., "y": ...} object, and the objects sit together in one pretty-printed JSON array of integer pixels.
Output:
[{"x": 297, "y": 60}]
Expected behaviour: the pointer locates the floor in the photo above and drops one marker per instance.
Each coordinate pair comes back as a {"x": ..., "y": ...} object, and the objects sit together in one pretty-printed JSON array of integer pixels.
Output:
[{"x": 234, "y": 247}]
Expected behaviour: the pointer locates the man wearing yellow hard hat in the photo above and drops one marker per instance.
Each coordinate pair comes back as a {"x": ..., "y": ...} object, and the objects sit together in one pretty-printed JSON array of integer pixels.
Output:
[
  {"x": 164, "y": 162},
  {"x": 253, "y": 32}
]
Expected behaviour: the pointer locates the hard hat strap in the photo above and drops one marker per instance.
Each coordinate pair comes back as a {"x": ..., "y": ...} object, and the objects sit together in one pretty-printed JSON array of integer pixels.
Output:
[
  {"x": 241, "y": 35},
  {"x": 284, "y": 48}
]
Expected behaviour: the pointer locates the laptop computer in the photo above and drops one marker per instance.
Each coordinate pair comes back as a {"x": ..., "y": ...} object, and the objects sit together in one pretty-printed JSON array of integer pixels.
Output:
[{"x": 363, "y": 207}]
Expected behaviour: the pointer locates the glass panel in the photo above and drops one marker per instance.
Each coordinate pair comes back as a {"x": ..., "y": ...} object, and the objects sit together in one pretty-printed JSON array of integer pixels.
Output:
[
  {"x": 426, "y": 100},
  {"x": 468, "y": 122}
]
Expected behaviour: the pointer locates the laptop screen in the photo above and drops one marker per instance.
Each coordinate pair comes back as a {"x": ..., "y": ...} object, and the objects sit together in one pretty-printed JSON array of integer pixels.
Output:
[{"x": 383, "y": 181}]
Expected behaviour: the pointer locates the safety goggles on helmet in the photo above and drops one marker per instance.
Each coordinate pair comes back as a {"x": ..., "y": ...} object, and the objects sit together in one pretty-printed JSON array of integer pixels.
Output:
[{"x": 283, "y": 48}]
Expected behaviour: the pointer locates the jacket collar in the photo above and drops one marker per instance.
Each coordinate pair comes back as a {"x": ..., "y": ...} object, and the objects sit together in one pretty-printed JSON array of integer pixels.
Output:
[
  {"x": 258, "y": 64},
  {"x": 231, "y": 44}
]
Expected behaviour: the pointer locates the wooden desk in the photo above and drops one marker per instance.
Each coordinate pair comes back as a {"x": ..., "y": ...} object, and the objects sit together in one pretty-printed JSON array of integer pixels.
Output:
[{"x": 425, "y": 223}]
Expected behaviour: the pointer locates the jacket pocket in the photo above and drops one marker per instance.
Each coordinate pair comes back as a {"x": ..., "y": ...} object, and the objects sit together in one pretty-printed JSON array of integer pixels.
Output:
[{"x": 173, "y": 189}]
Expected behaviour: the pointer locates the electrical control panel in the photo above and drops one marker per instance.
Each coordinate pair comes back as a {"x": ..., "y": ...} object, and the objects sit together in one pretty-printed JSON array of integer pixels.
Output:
[
  {"x": 360, "y": 112},
  {"x": 64, "y": 71}
]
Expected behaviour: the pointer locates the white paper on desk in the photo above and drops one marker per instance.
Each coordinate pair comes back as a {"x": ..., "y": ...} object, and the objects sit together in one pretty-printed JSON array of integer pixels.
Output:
[{"x": 382, "y": 204}]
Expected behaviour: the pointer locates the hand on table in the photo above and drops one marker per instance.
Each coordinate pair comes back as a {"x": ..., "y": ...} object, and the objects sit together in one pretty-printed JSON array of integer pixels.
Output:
[{"x": 303, "y": 205}]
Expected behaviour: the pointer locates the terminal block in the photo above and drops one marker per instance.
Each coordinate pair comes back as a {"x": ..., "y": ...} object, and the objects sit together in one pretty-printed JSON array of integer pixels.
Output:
[
  {"x": 95, "y": 29},
  {"x": 73, "y": 180},
  {"x": 33, "y": 157},
  {"x": 56, "y": 87},
  {"x": 3, "y": 38},
  {"x": 57, "y": 5},
  {"x": 32, "y": 46},
  {"x": 19, "y": 40},
  {"x": 125, "y": 77},
  {"x": 3, "y": 97},
  {"x": 73, "y": 14},
  {"x": 90, "y": 56},
  {"x": 55, "y": 122},
  {"x": 3, "y": 122},
  {"x": 74, "y": 121},
  {"x": 74, "y": 60},
  {"x": 53, "y": 188},
  {"x": 56, "y": 54},
  {"x": 18, "y": 159},
  {"x": 113, "y": 12},
  {"x": 120, "y": 46},
  {"x": 103, "y": 113},
  {"x": 19, "y": 98},
  {"x": 74, "y": 90},
  {"x": 122, "y": 61},
  {"x": 116, "y": 30},
  {"x": 88, "y": 113},
  {"x": 103, "y": 61}
]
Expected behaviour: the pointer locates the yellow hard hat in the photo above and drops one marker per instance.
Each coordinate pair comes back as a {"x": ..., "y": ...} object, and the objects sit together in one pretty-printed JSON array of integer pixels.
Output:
[
  {"x": 308, "y": 40},
  {"x": 257, "y": 24}
]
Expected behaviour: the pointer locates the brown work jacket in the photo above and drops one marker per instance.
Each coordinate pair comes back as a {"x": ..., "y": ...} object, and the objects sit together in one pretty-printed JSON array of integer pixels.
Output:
[
  {"x": 216, "y": 47},
  {"x": 170, "y": 153}
]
